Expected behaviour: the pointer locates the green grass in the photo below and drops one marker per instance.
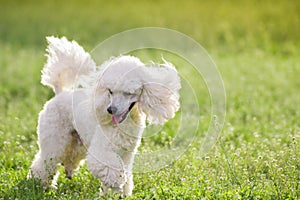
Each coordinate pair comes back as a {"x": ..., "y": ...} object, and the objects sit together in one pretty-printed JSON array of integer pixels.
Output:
[{"x": 256, "y": 45}]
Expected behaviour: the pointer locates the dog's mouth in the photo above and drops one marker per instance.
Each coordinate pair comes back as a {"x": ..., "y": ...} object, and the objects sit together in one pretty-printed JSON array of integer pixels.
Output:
[{"x": 117, "y": 119}]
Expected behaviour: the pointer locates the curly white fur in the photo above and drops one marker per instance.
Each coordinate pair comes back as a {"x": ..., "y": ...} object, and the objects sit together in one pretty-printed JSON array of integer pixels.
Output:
[{"x": 103, "y": 119}]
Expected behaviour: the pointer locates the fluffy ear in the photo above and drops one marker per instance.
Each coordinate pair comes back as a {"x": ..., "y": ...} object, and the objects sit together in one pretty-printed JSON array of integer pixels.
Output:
[{"x": 160, "y": 99}]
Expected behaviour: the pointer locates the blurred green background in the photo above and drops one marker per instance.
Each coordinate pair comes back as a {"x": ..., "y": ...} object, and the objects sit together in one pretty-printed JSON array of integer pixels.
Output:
[{"x": 244, "y": 24}]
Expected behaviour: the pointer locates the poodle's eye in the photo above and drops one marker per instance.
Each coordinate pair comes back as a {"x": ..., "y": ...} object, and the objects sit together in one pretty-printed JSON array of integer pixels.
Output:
[{"x": 110, "y": 92}]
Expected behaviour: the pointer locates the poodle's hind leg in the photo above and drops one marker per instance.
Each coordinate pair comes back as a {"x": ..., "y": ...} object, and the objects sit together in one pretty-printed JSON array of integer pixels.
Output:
[
  {"x": 75, "y": 152},
  {"x": 53, "y": 138},
  {"x": 44, "y": 168}
]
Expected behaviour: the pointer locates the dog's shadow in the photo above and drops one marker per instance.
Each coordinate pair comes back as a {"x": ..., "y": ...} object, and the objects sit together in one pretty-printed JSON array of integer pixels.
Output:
[
  {"x": 25, "y": 189},
  {"x": 33, "y": 189}
]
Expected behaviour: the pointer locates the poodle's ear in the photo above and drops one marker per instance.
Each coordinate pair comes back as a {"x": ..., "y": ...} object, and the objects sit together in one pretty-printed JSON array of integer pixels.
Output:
[{"x": 160, "y": 99}]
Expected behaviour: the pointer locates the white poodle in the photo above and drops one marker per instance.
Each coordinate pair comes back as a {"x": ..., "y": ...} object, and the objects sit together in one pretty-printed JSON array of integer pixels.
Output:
[{"x": 99, "y": 113}]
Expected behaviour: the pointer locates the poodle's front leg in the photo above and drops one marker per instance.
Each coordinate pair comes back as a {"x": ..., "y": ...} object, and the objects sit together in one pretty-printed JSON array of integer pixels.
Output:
[
  {"x": 128, "y": 186},
  {"x": 106, "y": 165},
  {"x": 128, "y": 158}
]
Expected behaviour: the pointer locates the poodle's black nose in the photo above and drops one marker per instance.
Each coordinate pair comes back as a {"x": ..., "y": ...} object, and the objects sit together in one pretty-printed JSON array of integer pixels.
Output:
[{"x": 111, "y": 110}]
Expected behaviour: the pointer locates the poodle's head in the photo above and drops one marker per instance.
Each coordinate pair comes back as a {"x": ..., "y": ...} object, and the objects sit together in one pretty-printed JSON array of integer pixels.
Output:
[{"x": 130, "y": 83}]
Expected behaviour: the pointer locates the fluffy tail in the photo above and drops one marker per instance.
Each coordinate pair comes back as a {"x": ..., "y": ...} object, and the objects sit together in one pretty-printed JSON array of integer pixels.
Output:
[{"x": 65, "y": 62}]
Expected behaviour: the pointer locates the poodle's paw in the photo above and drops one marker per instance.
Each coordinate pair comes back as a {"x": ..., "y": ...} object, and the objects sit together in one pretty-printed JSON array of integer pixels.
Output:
[
  {"x": 128, "y": 187},
  {"x": 107, "y": 190},
  {"x": 103, "y": 190},
  {"x": 52, "y": 187},
  {"x": 69, "y": 172},
  {"x": 37, "y": 176},
  {"x": 30, "y": 175}
]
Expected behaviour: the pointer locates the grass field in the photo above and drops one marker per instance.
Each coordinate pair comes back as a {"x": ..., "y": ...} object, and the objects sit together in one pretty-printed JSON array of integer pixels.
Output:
[{"x": 256, "y": 46}]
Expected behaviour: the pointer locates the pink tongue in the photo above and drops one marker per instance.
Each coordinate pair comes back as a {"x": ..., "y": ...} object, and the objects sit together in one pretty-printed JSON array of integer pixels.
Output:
[{"x": 116, "y": 120}]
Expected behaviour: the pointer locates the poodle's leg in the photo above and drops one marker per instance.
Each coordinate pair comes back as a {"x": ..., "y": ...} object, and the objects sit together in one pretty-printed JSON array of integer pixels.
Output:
[
  {"x": 53, "y": 138},
  {"x": 44, "y": 168},
  {"x": 52, "y": 152},
  {"x": 109, "y": 171},
  {"x": 128, "y": 158},
  {"x": 106, "y": 165},
  {"x": 74, "y": 153},
  {"x": 129, "y": 185}
]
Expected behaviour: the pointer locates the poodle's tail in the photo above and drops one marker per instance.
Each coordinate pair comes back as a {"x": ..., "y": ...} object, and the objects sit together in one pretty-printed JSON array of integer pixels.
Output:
[{"x": 66, "y": 61}]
